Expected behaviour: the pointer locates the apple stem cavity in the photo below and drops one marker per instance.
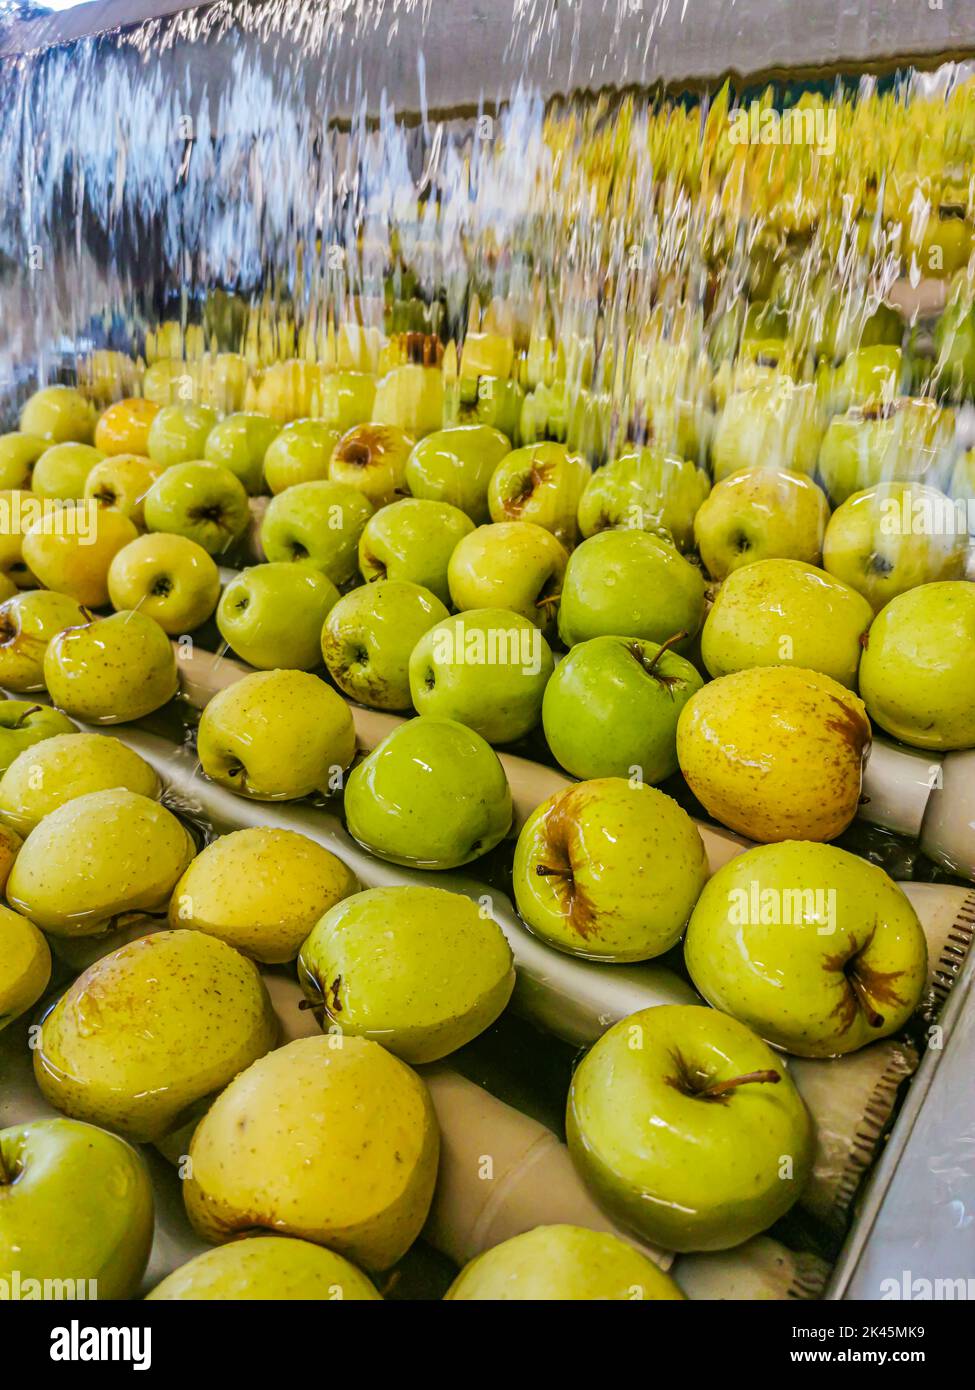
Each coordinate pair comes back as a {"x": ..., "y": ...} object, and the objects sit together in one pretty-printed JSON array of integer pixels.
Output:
[
  {"x": 695, "y": 1082},
  {"x": 875, "y": 1019},
  {"x": 650, "y": 667},
  {"x": 721, "y": 1088},
  {"x": 330, "y": 1007},
  {"x": 214, "y": 512},
  {"x": 22, "y": 719},
  {"x": 664, "y": 647},
  {"x": 357, "y": 453}
]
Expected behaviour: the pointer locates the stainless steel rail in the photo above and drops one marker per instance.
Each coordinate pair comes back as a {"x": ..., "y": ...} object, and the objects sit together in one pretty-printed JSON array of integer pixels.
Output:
[
  {"x": 578, "y": 43},
  {"x": 915, "y": 1226}
]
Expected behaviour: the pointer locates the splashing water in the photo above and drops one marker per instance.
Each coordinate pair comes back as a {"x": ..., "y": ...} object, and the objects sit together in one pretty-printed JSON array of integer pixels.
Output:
[{"x": 244, "y": 173}]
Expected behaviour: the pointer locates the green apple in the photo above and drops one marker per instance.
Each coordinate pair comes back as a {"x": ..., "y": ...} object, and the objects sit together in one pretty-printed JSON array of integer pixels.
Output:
[
  {"x": 761, "y": 514},
  {"x": 96, "y": 857},
  {"x": 25, "y": 965},
  {"x": 939, "y": 238},
  {"x": 906, "y": 440},
  {"x": 272, "y": 615},
  {"x": 240, "y": 442},
  {"x": 178, "y": 433},
  {"x": 688, "y": 1128},
  {"x": 609, "y": 869},
  {"x": 413, "y": 539},
  {"x": 345, "y": 399},
  {"x": 264, "y": 1269},
  {"x": 761, "y": 363},
  {"x": 62, "y": 470},
  {"x": 320, "y": 522},
  {"x": 28, "y": 621},
  {"x": 866, "y": 376},
  {"x": 629, "y": 584},
  {"x": 785, "y": 613},
  {"x": 410, "y": 397},
  {"x": 816, "y": 949},
  {"x": 645, "y": 490},
  {"x": 843, "y": 327},
  {"x": 170, "y": 579},
  {"x": 775, "y": 425},
  {"x": 542, "y": 483},
  {"x": 122, "y": 481},
  {"x": 917, "y": 673},
  {"x": 18, "y": 511},
  {"x": 123, "y": 427},
  {"x": 372, "y": 459},
  {"x": 111, "y": 670},
  {"x": 71, "y": 550},
  {"x": 611, "y": 708},
  {"x": 495, "y": 401},
  {"x": 18, "y": 454},
  {"x": 682, "y": 425},
  {"x": 329, "y": 1138},
  {"x": 261, "y": 890},
  {"x": 203, "y": 501},
  {"x": 892, "y": 537},
  {"x": 576, "y": 417},
  {"x": 514, "y": 565},
  {"x": 562, "y": 1264},
  {"x": 749, "y": 331},
  {"x": 484, "y": 354},
  {"x": 76, "y": 1210},
  {"x": 775, "y": 752},
  {"x": 671, "y": 389},
  {"x": 276, "y": 736},
  {"x": 456, "y": 466},
  {"x": 65, "y": 766},
  {"x": 486, "y": 668},
  {"x": 432, "y": 794},
  {"x": 423, "y": 989},
  {"x": 301, "y": 453},
  {"x": 279, "y": 385},
  {"x": 10, "y": 846},
  {"x": 59, "y": 414},
  {"x": 150, "y": 1030},
  {"x": 22, "y": 725},
  {"x": 954, "y": 339},
  {"x": 368, "y": 638}
]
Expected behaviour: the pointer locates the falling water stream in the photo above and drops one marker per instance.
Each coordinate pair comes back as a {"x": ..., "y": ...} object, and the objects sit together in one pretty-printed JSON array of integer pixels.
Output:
[
  {"x": 289, "y": 180},
  {"x": 245, "y": 170}
]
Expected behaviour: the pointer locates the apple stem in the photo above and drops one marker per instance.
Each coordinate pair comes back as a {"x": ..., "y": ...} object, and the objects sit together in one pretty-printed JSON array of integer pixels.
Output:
[
  {"x": 544, "y": 602},
  {"x": 664, "y": 646},
  {"x": 19, "y": 723},
  {"x": 875, "y": 1019},
  {"x": 719, "y": 1088},
  {"x": 5, "y": 1174}
]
